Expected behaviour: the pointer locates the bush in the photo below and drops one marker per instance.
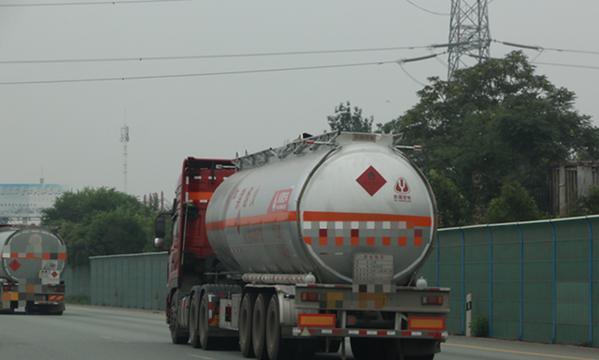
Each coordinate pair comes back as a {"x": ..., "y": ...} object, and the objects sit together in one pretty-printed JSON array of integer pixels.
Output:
[
  {"x": 514, "y": 204},
  {"x": 480, "y": 326},
  {"x": 78, "y": 299}
]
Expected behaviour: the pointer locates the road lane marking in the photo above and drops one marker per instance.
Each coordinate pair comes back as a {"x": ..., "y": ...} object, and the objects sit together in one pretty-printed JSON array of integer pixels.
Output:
[
  {"x": 517, "y": 352},
  {"x": 201, "y": 357},
  {"x": 113, "y": 339}
]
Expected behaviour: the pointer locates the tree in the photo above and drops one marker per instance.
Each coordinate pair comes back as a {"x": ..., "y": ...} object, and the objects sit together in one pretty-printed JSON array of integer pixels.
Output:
[
  {"x": 100, "y": 222},
  {"x": 454, "y": 209},
  {"x": 346, "y": 120},
  {"x": 585, "y": 205},
  {"x": 514, "y": 204},
  {"x": 495, "y": 122}
]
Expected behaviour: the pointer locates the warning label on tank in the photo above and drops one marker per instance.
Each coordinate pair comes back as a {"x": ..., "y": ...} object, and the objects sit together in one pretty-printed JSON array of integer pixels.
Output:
[
  {"x": 280, "y": 201},
  {"x": 49, "y": 277},
  {"x": 371, "y": 181},
  {"x": 14, "y": 265}
]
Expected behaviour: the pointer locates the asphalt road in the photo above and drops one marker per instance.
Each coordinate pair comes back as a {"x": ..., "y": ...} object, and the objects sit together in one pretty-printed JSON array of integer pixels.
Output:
[{"x": 96, "y": 333}]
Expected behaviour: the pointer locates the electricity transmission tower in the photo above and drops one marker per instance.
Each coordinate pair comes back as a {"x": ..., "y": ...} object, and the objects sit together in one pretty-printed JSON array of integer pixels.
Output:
[{"x": 469, "y": 34}]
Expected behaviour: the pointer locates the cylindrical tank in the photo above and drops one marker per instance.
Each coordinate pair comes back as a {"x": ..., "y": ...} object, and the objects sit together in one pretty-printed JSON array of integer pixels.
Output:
[
  {"x": 313, "y": 206},
  {"x": 32, "y": 253}
]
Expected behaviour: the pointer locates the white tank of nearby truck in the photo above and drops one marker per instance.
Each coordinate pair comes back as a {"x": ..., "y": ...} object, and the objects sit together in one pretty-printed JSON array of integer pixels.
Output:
[
  {"x": 32, "y": 261},
  {"x": 351, "y": 197}
]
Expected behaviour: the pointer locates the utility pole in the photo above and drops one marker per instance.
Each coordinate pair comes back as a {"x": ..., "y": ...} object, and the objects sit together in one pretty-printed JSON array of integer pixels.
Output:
[
  {"x": 125, "y": 140},
  {"x": 469, "y": 33}
]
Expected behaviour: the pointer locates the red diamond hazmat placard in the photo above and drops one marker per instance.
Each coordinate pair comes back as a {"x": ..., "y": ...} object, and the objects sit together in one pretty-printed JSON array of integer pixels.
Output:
[{"x": 371, "y": 181}]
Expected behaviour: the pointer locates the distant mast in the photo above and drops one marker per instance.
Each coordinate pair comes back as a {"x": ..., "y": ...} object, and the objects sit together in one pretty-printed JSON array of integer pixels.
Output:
[{"x": 125, "y": 140}]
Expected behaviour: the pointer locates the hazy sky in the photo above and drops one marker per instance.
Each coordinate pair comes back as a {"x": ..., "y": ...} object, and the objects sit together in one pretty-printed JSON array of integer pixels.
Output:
[{"x": 72, "y": 130}]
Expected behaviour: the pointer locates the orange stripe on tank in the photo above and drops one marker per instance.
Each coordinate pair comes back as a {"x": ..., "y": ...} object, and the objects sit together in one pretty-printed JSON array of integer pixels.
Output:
[{"x": 252, "y": 220}]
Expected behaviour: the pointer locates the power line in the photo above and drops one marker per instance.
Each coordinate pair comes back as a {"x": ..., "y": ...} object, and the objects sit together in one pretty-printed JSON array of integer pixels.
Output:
[
  {"x": 540, "y": 48},
  {"x": 190, "y": 57},
  {"x": 63, "y": 81},
  {"x": 289, "y": 53},
  {"x": 196, "y": 75},
  {"x": 567, "y": 65},
  {"x": 428, "y": 11},
  {"x": 116, "y": 2}
]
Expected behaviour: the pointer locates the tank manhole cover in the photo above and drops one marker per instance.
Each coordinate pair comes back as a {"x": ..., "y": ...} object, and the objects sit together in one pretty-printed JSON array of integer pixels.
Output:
[{"x": 371, "y": 180}]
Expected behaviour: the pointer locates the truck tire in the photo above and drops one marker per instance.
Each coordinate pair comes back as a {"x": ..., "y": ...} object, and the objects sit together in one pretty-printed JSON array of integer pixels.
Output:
[
  {"x": 194, "y": 337},
  {"x": 207, "y": 342},
  {"x": 178, "y": 336},
  {"x": 277, "y": 347},
  {"x": 259, "y": 327},
  {"x": 245, "y": 324}
]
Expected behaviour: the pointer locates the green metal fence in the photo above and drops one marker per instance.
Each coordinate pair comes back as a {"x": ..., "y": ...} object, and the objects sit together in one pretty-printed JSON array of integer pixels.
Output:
[
  {"x": 533, "y": 281},
  {"x": 77, "y": 282},
  {"x": 131, "y": 281}
]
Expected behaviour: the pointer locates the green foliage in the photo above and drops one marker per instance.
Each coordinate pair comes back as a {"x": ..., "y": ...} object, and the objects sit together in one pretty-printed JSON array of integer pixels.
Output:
[
  {"x": 585, "y": 205},
  {"x": 514, "y": 204},
  {"x": 346, "y": 120},
  {"x": 492, "y": 123},
  {"x": 479, "y": 327},
  {"x": 454, "y": 209},
  {"x": 101, "y": 222},
  {"x": 78, "y": 299}
]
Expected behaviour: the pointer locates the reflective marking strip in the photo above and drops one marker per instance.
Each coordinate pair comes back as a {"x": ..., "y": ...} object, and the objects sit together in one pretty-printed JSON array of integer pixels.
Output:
[
  {"x": 297, "y": 331},
  {"x": 316, "y": 320},
  {"x": 426, "y": 323},
  {"x": 202, "y": 196}
]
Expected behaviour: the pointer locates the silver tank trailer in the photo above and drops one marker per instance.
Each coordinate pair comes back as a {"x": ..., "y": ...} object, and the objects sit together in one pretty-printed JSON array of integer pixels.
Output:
[
  {"x": 32, "y": 253},
  {"x": 315, "y": 205}
]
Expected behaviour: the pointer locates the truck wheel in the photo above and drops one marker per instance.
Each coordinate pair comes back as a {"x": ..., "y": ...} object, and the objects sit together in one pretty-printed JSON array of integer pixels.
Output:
[
  {"x": 193, "y": 322},
  {"x": 207, "y": 342},
  {"x": 245, "y": 324},
  {"x": 259, "y": 327},
  {"x": 276, "y": 347},
  {"x": 178, "y": 336}
]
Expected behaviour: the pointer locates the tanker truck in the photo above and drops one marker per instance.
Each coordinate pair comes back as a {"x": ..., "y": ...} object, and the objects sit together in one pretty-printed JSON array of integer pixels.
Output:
[
  {"x": 32, "y": 260},
  {"x": 292, "y": 250}
]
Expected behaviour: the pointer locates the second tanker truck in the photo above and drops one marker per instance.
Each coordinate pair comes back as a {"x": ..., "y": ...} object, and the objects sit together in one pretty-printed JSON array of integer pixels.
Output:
[
  {"x": 32, "y": 260},
  {"x": 292, "y": 250}
]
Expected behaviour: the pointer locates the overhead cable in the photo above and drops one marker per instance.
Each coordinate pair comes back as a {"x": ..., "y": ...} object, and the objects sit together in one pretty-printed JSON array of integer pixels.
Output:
[
  {"x": 428, "y": 11},
  {"x": 567, "y": 65},
  {"x": 222, "y": 56},
  {"x": 115, "y": 2},
  {"x": 540, "y": 48},
  {"x": 195, "y": 75}
]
